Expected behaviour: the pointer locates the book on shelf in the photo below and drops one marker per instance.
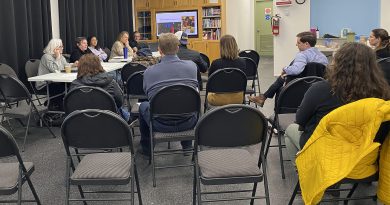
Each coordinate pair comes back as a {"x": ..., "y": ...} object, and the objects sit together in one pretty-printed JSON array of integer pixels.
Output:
[
  {"x": 211, "y": 23},
  {"x": 211, "y": 11},
  {"x": 212, "y": 34}
]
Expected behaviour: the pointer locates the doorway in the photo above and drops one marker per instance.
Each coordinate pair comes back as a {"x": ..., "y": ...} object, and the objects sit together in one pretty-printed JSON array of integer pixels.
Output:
[{"x": 264, "y": 39}]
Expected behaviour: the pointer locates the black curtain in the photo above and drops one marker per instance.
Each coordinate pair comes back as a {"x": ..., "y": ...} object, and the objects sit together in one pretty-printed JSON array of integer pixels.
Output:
[
  {"x": 25, "y": 29},
  {"x": 102, "y": 18}
]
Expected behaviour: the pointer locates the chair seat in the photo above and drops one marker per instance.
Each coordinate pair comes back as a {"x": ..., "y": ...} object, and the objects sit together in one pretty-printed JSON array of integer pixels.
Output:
[
  {"x": 23, "y": 111},
  {"x": 285, "y": 120},
  {"x": 103, "y": 169},
  {"x": 174, "y": 136},
  {"x": 233, "y": 165},
  {"x": 9, "y": 173}
]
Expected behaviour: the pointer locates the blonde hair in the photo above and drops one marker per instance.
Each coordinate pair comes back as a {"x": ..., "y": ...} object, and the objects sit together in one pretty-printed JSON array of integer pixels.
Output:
[
  {"x": 121, "y": 34},
  {"x": 168, "y": 43},
  {"x": 53, "y": 44},
  {"x": 229, "y": 48}
]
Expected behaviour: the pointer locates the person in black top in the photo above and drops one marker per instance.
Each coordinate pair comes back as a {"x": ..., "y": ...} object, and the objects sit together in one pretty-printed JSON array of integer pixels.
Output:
[
  {"x": 354, "y": 75},
  {"x": 79, "y": 50},
  {"x": 379, "y": 38},
  {"x": 135, "y": 43}
]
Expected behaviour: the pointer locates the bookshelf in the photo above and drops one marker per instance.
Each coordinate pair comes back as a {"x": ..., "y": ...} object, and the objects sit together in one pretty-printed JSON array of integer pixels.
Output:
[
  {"x": 211, "y": 22},
  {"x": 144, "y": 23}
]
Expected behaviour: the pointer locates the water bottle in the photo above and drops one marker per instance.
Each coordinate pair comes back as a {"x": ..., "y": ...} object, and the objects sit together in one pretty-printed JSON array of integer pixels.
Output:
[{"x": 125, "y": 50}]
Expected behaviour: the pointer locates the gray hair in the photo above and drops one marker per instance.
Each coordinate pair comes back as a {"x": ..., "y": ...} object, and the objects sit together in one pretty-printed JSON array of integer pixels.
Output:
[{"x": 53, "y": 44}]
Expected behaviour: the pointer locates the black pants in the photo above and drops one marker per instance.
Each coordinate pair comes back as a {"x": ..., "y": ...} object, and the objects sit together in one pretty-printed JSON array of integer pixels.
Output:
[
  {"x": 275, "y": 87},
  {"x": 56, "y": 103}
]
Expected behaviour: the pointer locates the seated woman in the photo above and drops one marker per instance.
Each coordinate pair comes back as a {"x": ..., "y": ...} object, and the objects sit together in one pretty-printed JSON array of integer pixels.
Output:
[
  {"x": 79, "y": 50},
  {"x": 353, "y": 75},
  {"x": 229, "y": 59},
  {"x": 120, "y": 43},
  {"x": 53, "y": 61},
  {"x": 91, "y": 73},
  {"x": 96, "y": 49},
  {"x": 379, "y": 39}
]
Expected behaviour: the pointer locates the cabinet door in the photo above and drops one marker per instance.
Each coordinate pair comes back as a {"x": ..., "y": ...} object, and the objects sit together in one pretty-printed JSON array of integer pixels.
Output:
[
  {"x": 186, "y": 3},
  {"x": 155, "y": 4},
  {"x": 212, "y": 50},
  {"x": 199, "y": 46},
  {"x": 141, "y": 4},
  {"x": 211, "y": 2},
  {"x": 168, "y": 4}
]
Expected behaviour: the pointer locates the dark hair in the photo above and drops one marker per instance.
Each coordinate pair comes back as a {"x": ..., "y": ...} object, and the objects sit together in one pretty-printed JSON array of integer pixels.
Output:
[
  {"x": 384, "y": 36},
  {"x": 309, "y": 37},
  {"x": 89, "y": 64},
  {"x": 78, "y": 40},
  {"x": 354, "y": 74},
  {"x": 97, "y": 47}
]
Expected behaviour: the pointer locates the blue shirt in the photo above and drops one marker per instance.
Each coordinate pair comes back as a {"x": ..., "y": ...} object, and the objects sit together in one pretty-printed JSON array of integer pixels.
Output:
[
  {"x": 170, "y": 71},
  {"x": 302, "y": 58}
]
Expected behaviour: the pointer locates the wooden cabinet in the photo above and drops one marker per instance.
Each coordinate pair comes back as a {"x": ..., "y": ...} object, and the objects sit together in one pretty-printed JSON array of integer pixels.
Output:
[
  {"x": 210, "y": 2},
  {"x": 210, "y": 48},
  {"x": 141, "y": 4},
  {"x": 168, "y": 4}
]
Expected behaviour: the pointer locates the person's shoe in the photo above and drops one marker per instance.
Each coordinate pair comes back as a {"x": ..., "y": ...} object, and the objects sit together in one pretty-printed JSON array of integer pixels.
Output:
[{"x": 259, "y": 100}]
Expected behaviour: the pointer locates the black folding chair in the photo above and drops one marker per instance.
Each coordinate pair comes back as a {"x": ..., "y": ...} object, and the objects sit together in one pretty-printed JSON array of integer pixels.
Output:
[
  {"x": 252, "y": 54},
  {"x": 129, "y": 69},
  {"x": 135, "y": 91},
  {"x": 12, "y": 88},
  {"x": 99, "y": 131},
  {"x": 88, "y": 97},
  {"x": 31, "y": 69},
  {"x": 14, "y": 174},
  {"x": 205, "y": 58},
  {"x": 221, "y": 155},
  {"x": 252, "y": 76},
  {"x": 384, "y": 64},
  {"x": 311, "y": 69},
  {"x": 172, "y": 102},
  {"x": 227, "y": 80},
  {"x": 287, "y": 104}
]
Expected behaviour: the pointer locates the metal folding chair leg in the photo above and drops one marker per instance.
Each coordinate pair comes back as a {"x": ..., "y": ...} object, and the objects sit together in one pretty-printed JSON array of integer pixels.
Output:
[
  {"x": 253, "y": 193},
  {"x": 137, "y": 184},
  {"x": 20, "y": 185},
  {"x": 294, "y": 194},
  {"x": 350, "y": 193},
  {"x": 33, "y": 189},
  {"x": 265, "y": 181},
  {"x": 280, "y": 146}
]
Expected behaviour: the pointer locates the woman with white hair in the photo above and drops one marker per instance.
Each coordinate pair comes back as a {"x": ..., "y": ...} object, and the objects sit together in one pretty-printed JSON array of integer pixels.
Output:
[{"x": 52, "y": 61}]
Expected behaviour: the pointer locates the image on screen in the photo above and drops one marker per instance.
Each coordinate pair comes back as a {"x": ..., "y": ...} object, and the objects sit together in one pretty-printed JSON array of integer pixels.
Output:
[{"x": 171, "y": 22}]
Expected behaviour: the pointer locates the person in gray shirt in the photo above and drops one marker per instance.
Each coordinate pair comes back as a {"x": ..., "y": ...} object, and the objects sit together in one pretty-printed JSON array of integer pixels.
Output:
[{"x": 170, "y": 71}]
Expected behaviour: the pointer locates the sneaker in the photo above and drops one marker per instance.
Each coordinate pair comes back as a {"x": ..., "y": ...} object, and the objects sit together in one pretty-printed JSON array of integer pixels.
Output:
[{"x": 259, "y": 100}]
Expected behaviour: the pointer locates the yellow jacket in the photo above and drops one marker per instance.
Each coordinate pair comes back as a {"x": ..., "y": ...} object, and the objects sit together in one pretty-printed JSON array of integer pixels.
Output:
[{"x": 342, "y": 147}]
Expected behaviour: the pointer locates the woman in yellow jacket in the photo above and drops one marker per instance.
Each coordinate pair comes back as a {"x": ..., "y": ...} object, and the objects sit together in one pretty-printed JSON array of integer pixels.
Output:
[{"x": 353, "y": 75}]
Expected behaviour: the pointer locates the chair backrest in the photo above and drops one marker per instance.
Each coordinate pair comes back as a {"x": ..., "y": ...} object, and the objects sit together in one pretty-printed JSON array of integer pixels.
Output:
[
  {"x": 11, "y": 87},
  {"x": 311, "y": 69},
  {"x": 292, "y": 94},
  {"x": 252, "y": 54},
  {"x": 384, "y": 63},
  {"x": 95, "y": 129},
  {"x": 87, "y": 97},
  {"x": 131, "y": 68},
  {"x": 250, "y": 68},
  {"x": 108, "y": 52},
  {"x": 206, "y": 59},
  {"x": 175, "y": 100},
  {"x": 8, "y": 146},
  {"x": 6, "y": 69},
  {"x": 231, "y": 126},
  {"x": 32, "y": 67},
  {"x": 134, "y": 85},
  {"x": 227, "y": 80}
]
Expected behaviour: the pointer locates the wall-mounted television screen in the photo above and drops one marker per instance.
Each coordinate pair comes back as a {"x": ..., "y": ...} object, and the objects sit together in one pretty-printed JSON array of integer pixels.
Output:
[{"x": 173, "y": 21}]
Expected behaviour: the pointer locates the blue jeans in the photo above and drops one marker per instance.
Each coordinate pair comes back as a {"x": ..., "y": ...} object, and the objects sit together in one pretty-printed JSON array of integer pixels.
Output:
[{"x": 162, "y": 126}]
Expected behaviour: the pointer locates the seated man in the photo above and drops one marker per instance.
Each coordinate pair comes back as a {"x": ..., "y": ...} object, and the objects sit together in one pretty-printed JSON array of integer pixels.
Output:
[
  {"x": 170, "y": 71},
  {"x": 188, "y": 54},
  {"x": 136, "y": 44},
  {"x": 306, "y": 42}
]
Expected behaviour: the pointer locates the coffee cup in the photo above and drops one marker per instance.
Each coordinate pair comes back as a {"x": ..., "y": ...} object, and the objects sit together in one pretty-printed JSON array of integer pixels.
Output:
[{"x": 68, "y": 69}]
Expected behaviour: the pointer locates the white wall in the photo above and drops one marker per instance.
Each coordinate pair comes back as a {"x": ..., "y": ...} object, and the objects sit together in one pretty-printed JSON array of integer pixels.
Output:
[
  {"x": 55, "y": 18},
  {"x": 240, "y": 22},
  {"x": 385, "y": 15},
  {"x": 295, "y": 19}
]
